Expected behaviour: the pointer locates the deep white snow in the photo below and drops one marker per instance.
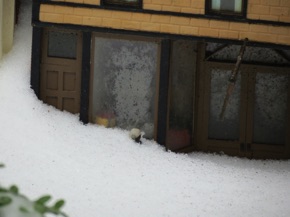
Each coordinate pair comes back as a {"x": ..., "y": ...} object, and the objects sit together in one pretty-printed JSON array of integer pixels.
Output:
[{"x": 103, "y": 173}]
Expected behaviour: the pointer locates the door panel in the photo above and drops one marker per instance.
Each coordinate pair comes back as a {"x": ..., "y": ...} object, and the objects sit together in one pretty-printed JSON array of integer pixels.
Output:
[
  {"x": 223, "y": 133},
  {"x": 60, "y": 87},
  {"x": 227, "y": 127},
  {"x": 269, "y": 109}
]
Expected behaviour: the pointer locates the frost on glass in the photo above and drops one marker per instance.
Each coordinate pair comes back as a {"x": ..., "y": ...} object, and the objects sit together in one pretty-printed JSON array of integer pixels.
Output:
[
  {"x": 183, "y": 66},
  {"x": 252, "y": 54},
  {"x": 62, "y": 44},
  {"x": 124, "y": 82},
  {"x": 226, "y": 128},
  {"x": 270, "y": 111}
]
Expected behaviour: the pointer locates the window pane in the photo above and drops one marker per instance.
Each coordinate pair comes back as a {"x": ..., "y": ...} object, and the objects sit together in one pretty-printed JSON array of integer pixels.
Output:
[
  {"x": 270, "y": 112},
  {"x": 238, "y": 5},
  {"x": 62, "y": 44},
  {"x": 216, "y": 5},
  {"x": 227, "y": 5},
  {"x": 125, "y": 84},
  {"x": 228, "y": 127},
  {"x": 183, "y": 66}
]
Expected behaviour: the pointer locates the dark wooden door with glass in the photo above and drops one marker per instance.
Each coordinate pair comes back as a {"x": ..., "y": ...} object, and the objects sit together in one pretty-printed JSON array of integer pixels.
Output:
[
  {"x": 61, "y": 69},
  {"x": 255, "y": 122}
]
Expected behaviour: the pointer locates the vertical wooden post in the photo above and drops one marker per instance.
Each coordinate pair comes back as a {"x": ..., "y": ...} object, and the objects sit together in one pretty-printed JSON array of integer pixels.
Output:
[{"x": 85, "y": 77}]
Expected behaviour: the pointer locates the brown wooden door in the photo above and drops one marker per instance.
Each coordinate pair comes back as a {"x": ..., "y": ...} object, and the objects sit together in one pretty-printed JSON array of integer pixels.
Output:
[
  {"x": 61, "y": 69},
  {"x": 256, "y": 120}
]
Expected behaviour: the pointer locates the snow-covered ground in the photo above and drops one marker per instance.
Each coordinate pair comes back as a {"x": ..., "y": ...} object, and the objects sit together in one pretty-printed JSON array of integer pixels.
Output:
[{"x": 101, "y": 172}]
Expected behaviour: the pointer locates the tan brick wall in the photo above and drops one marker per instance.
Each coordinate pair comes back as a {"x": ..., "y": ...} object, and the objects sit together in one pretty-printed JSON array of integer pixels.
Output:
[
  {"x": 165, "y": 24},
  {"x": 273, "y": 10},
  {"x": 183, "y": 6}
]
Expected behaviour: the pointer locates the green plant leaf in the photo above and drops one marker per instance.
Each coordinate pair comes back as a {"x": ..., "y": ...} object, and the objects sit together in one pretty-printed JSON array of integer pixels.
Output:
[
  {"x": 40, "y": 208},
  {"x": 5, "y": 200},
  {"x": 23, "y": 209},
  {"x": 2, "y": 165},
  {"x": 44, "y": 199},
  {"x": 3, "y": 190},
  {"x": 14, "y": 189},
  {"x": 58, "y": 205}
]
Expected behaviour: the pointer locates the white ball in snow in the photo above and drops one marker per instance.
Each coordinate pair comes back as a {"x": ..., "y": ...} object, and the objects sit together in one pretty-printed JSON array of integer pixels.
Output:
[{"x": 135, "y": 133}]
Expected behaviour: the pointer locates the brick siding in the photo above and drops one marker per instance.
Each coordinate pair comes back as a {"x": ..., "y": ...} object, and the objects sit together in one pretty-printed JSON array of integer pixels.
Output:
[{"x": 257, "y": 9}]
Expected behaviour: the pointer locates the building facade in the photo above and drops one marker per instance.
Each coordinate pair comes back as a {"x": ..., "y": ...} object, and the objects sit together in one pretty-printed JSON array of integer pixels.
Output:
[{"x": 164, "y": 66}]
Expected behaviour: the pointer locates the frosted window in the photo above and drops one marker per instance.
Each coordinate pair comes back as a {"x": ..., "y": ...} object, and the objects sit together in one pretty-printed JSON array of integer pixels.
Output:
[
  {"x": 62, "y": 44},
  {"x": 124, "y": 86},
  {"x": 183, "y": 66},
  {"x": 227, "y": 5},
  {"x": 270, "y": 111},
  {"x": 228, "y": 127}
]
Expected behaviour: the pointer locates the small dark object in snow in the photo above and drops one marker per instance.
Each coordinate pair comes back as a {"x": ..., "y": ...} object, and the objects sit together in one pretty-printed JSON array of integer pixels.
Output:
[{"x": 135, "y": 134}]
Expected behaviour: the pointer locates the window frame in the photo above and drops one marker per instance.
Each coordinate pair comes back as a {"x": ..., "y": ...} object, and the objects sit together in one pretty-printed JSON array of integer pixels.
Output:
[
  {"x": 226, "y": 14},
  {"x": 138, "y": 5}
]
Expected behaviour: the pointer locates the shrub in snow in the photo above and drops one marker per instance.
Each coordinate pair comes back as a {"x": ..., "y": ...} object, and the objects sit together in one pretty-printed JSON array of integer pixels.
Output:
[{"x": 14, "y": 204}]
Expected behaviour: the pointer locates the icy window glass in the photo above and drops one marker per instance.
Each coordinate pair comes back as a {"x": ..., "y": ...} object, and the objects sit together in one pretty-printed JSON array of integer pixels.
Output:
[
  {"x": 183, "y": 67},
  {"x": 252, "y": 54},
  {"x": 270, "y": 111},
  {"x": 226, "y": 128},
  {"x": 124, "y": 88},
  {"x": 62, "y": 44}
]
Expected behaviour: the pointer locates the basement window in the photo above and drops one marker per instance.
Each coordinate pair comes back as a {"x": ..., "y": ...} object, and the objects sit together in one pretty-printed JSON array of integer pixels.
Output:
[
  {"x": 123, "y": 3},
  {"x": 226, "y": 7},
  {"x": 124, "y": 91}
]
